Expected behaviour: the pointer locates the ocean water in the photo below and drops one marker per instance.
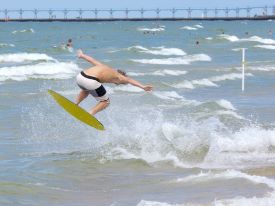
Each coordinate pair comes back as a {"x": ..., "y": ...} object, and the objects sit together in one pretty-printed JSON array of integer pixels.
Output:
[{"x": 197, "y": 139}]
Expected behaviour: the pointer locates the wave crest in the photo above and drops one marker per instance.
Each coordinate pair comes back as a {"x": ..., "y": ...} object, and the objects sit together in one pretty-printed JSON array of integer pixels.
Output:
[
  {"x": 24, "y": 57},
  {"x": 175, "y": 61},
  {"x": 48, "y": 70}
]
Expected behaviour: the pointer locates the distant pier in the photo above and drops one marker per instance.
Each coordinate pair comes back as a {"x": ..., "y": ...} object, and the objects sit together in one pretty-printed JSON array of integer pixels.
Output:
[{"x": 174, "y": 14}]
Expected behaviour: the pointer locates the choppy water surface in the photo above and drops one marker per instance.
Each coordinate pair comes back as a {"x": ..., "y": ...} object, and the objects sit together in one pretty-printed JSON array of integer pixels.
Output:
[{"x": 197, "y": 139}]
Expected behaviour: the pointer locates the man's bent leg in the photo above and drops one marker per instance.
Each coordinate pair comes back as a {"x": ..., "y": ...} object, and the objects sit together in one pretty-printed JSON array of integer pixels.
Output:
[
  {"x": 100, "y": 106},
  {"x": 82, "y": 95}
]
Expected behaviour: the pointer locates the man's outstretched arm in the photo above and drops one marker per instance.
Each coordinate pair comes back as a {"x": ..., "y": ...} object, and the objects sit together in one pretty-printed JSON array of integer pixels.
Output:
[
  {"x": 90, "y": 59},
  {"x": 136, "y": 83}
]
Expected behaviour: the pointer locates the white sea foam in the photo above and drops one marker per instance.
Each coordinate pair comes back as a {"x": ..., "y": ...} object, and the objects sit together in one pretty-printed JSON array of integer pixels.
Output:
[
  {"x": 237, "y": 49},
  {"x": 137, "y": 48},
  {"x": 175, "y": 61},
  {"x": 228, "y": 113},
  {"x": 231, "y": 76},
  {"x": 248, "y": 140},
  {"x": 199, "y": 26},
  {"x": 159, "y": 73},
  {"x": 151, "y": 29},
  {"x": 155, "y": 203},
  {"x": 172, "y": 95},
  {"x": 158, "y": 50},
  {"x": 265, "y": 46},
  {"x": 246, "y": 148},
  {"x": 233, "y": 174},
  {"x": 264, "y": 201},
  {"x": 234, "y": 38},
  {"x": 183, "y": 141},
  {"x": 6, "y": 45},
  {"x": 260, "y": 40},
  {"x": 24, "y": 31},
  {"x": 185, "y": 84},
  {"x": 231, "y": 38},
  {"x": 64, "y": 48},
  {"x": 224, "y": 109},
  {"x": 169, "y": 72},
  {"x": 228, "y": 174},
  {"x": 204, "y": 82},
  {"x": 49, "y": 70},
  {"x": 238, "y": 201},
  {"x": 189, "y": 28},
  {"x": 209, "y": 38},
  {"x": 166, "y": 51},
  {"x": 225, "y": 149},
  {"x": 249, "y": 146},
  {"x": 226, "y": 104},
  {"x": 265, "y": 68},
  {"x": 134, "y": 74},
  {"x": 210, "y": 82},
  {"x": 191, "y": 84},
  {"x": 24, "y": 57},
  {"x": 127, "y": 88},
  {"x": 70, "y": 49}
]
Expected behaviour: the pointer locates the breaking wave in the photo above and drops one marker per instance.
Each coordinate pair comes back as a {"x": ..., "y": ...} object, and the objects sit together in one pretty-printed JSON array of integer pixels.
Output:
[
  {"x": 189, "y": 28},
  {"x": 231, "y": 38},
  {"x": 175, "y": 61},
  {"x": 24, "y": 57},
  {"x": 265, "y": 46},
  {"x": 158, "y": 29},
  {"x": 158, "y": 50},
  {"x": 266, "y": 200},
  {"x": 24, "y": 31},
  {"x": 2, "y": 45},
  {"x": 46, "y": 70},
  {"x": 210, "y": 82},
  {"x": 154, "y": 50},
  {"x": 234, "y": 38},
  {"x": 160, "y": 73}
]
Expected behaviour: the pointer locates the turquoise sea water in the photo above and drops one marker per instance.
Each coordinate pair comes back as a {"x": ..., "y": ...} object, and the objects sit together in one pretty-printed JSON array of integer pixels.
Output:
[{"x": 197, "y": 139}]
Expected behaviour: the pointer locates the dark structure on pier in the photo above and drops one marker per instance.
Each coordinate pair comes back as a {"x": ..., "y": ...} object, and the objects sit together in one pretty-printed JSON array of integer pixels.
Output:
[{"x": 248, "y": 13}]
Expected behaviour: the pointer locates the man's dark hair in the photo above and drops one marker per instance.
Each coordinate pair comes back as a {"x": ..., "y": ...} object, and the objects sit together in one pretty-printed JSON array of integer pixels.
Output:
[{"x": 122, "y": 72}]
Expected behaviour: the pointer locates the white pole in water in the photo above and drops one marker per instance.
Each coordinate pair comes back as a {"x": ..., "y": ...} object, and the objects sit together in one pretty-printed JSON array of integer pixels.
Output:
[{"x": 243, "y": 63}]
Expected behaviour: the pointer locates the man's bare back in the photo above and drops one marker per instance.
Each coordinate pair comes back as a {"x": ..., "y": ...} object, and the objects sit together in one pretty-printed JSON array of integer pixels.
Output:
[
  {"x": 104, "y": 73},
  {"x": 90, "y": 81}
]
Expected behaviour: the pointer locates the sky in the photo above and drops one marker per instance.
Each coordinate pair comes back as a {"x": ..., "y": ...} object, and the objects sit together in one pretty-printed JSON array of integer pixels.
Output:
[{"x": 131, "y": 4}]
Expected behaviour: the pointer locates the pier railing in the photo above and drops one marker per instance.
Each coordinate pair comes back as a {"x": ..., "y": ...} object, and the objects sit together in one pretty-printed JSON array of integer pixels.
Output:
[{"x": 264, "y": 12}]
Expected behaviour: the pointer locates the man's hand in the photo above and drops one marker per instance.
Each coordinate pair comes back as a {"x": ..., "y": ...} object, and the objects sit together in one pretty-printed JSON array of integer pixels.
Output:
[
  {"x": 148, "y": 88},
  {"x": 90, "y": 59},
  {"x": 79, "y": 53}
]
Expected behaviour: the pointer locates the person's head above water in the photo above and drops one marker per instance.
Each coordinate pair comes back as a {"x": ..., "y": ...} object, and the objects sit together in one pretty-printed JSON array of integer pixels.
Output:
[{"x": 69, "y": 43}]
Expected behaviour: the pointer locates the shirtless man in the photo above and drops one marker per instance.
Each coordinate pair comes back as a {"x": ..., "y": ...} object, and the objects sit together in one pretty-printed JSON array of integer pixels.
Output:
[{"x": 90, "y": 81}]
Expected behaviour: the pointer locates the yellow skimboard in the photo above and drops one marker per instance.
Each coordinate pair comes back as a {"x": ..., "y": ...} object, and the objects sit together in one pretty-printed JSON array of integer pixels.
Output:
[{"x": 76, "y": 111}]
